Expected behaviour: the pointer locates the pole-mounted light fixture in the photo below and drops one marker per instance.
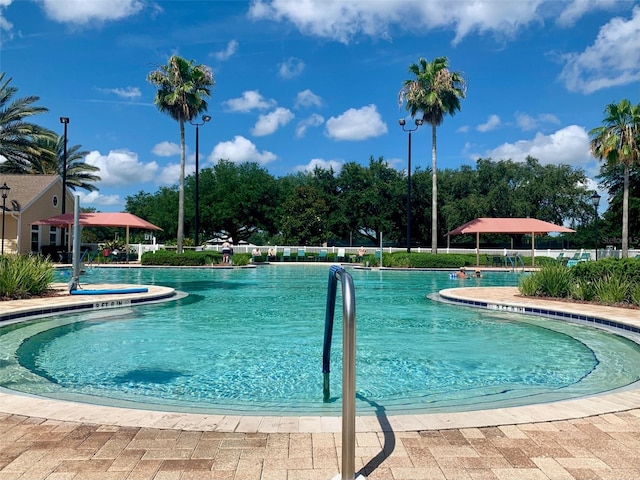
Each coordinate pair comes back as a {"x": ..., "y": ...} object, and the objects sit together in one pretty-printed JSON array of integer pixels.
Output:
[
  {"x": 402, "y": 122},
  {"x": 595, "y": 201},
  {"x": 5, "y": 192},
  {"x": 196, "y": 223}
]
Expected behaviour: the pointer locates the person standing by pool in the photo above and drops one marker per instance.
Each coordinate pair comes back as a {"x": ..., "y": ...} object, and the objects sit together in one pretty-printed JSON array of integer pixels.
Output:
[{"x": 226, "y": 252}]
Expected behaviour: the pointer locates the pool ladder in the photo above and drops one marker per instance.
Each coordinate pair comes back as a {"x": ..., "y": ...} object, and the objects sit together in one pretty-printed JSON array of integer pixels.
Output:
[{"x": 348, "y": 364}]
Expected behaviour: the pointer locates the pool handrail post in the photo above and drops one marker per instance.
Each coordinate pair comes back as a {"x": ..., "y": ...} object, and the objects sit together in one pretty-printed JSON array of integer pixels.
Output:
[
  {"x": 348, "y": 363},
  {"x": 75, "y": 255}
]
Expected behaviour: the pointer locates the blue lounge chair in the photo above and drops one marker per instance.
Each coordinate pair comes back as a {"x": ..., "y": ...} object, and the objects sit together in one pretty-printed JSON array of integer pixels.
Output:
[
  {"x": 322, "y": 256},
  {"x": 286, "y": 254},
  {"x": 301, "y": 254}
]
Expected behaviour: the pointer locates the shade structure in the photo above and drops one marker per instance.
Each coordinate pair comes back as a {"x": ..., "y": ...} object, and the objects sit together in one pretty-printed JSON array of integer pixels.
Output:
[
  {"x": 100, "y": 219},
  {"x": 510, "y": 226}
]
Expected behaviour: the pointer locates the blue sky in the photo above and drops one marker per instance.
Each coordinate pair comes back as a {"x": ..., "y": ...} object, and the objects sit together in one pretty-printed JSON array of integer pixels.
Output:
[{"x": 301, "y": 83}]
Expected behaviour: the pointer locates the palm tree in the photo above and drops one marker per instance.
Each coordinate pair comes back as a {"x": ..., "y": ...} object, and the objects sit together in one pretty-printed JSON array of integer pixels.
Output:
[
  {"x": 182, "y": 87},
  {"x": 17, "y": 136},
  {"x": 435, "y": 91},
  {"x": 51, "y": 161},
  {"x": 618, "y": 143}
]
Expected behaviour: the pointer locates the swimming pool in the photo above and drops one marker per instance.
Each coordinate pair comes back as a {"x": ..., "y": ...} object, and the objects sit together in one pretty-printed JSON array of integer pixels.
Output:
[{"x": 249, "y": 341}]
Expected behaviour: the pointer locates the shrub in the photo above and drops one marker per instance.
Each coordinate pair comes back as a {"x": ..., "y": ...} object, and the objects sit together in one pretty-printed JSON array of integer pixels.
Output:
[
  {"x": 550, "y": 281},
  {"x": 529, "y": 286},
  {"x": 583, "y": 290},
  {"x": 24, "y": 276},
  {"x": 612, "y": 290}
]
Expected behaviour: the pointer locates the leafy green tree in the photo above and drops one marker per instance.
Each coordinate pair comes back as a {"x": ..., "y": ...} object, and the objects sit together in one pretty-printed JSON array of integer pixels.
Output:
[
  {"x": 435, "y": 91},
  {"x": 373, "y": 199},
  {"x": 237, "y": 200},
  {"x": 612, "y": 179},
  {"x": 17, "y": 134},
  {"x": 305, "y": 217},
  {"x": 182, "y": 88},
  {"x": 158, "y": 208},
  {"x": 618, "y": 143}
]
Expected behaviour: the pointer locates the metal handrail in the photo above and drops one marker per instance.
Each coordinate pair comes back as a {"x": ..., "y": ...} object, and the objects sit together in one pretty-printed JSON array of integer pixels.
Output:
[{"x": 348, "y": 362}]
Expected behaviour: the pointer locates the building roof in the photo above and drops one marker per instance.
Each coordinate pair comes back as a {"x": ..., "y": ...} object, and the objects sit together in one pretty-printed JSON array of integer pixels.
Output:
[
  {"x": 522, "y": 226},
  {"x": 99, "y": 219},
  {"x": 25, "y": 189}
]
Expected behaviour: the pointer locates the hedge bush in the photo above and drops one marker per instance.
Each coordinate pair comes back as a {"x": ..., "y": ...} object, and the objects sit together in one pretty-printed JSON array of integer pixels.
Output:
[{"x": 22, "y": 276}]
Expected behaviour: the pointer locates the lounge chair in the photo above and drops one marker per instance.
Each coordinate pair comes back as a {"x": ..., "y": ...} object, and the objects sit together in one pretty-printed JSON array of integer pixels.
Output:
[
  {"x": 301, "y": 254},
  {"x": 585, "y": 257},
  {"x": 286, "y": 254},
  {"x": 322, "y": 256},
  {"x": 341, "y": 255}
]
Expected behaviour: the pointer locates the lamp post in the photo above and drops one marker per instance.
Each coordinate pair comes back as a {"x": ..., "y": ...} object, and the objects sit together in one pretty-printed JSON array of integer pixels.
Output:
[
  {"x": 403, "y": 123},
  {"x": 205, "y": 119},
  {"x": 5, "y": 192},
  {"x": 65, "y": 122},
  {"x": 595, "y": 201}
]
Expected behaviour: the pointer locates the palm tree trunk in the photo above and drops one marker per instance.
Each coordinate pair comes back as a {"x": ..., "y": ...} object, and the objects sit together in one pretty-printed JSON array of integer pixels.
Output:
[
  {"x": 625, "y": 212},
  {"x": 180, "y": 233},
  {"x": 434, "y": 193}
]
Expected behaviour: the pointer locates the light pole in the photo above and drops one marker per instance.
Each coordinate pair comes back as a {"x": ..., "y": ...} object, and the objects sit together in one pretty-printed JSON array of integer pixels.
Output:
[
  {"x": 595, "y": 201},
  {"x": 205, "y": 119},
  {"x": 403, "y": 123},
  {"x": 5, "y": 192},
  {"x": 65, "y": 122}
]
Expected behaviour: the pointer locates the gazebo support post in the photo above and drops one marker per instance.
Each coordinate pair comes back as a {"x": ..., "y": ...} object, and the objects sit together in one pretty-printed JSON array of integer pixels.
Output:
[{"x": 477, "y": 249}]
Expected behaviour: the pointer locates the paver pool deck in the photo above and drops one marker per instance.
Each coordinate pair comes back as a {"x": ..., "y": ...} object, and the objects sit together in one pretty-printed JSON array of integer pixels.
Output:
[{"x": 587, "y": 439}]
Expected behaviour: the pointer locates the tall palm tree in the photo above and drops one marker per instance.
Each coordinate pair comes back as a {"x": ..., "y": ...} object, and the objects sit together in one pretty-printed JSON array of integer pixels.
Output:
[
  {"x": 618, "y": 143},
  {"x": 435, "y": 92},
  {"x": 17, "y": 136},
  {"x": 182, "y": 87}
]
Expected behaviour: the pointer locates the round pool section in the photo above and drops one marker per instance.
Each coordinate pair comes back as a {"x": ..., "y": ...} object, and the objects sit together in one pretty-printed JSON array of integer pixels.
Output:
[{"x": 250, "y": 342}]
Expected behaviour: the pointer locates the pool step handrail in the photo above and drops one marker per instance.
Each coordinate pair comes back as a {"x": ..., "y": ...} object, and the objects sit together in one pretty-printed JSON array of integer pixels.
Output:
[{"x": 348, "y": 363}]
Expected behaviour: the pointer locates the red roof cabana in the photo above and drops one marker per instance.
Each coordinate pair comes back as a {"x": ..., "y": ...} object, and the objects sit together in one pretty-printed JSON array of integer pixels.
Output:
[
  {"x": 100, "y": 219},
  {"x": 512, "y": 226}
]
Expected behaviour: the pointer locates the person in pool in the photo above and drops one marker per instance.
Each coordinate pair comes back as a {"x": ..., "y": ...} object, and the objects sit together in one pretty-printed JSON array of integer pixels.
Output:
[{"x": 461, "y": 273}]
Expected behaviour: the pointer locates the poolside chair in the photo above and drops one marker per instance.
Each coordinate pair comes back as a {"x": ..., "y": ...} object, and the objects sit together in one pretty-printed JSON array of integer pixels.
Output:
[
  {"x": 301, "y": 254},
  {"x": 322, "y": 256},
  {"x": 341, "y": 257},
  {"x": 560, "y": 256},
  {"x": 572, "y": 262},
  {"x": 286, "y": 254},
  {"x": 585, "y": 257}
]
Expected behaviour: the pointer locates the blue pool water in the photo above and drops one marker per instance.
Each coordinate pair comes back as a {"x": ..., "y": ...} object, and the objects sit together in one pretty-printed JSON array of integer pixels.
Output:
[{"x": 250, "y": 341}]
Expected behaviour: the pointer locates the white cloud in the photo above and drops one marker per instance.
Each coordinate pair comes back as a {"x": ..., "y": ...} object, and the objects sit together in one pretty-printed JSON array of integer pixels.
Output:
[
  {"x": 342, "y": 20},
  {"x": 250, "y": 100},
  {"x": 240, "y": 150},
  {"x": 492, "y": 123},
  {"x": 577, "y": 8},
  {"x": 612, "y": 60},
  {"x": 320, "y": 163},
  {"x": 569, "y": 145},
  {"x": 307, "y": 98},
  {"x": 166, "y": 149},
  {"x": 269, "y": 123},
  {"x": 96, "y": 198},
  {"x": 122, "y": 167},
  {"x": 314, "y": 120},
  {"x": 5, "y": 25},
  {"x": 527, "y": 122},
  {"x": 291, "y": 68},
  {"x": 232, "y": 48},
  {"x": 83, "y": 11},
  {"x": 128, "y": 92},
  {"x": 356, "y": 124},
  {"x": 463, "y": 129}
]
